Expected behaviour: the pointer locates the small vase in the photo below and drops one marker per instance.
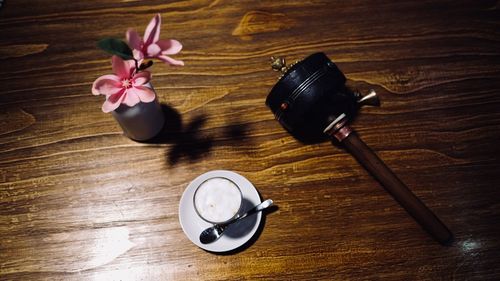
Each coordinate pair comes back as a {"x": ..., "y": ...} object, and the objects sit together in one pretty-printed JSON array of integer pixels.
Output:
[{"x": 142, "y": 121}]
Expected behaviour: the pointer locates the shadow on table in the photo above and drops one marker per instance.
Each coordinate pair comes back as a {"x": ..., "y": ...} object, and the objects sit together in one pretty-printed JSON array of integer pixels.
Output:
[
  {"x": 250, "y": 225},
  {"x": 242, "y": 227},
  {"x": 188, "y": 139}
]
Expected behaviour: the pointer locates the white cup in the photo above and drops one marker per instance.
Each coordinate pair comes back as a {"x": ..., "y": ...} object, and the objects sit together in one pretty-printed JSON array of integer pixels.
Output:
[{"x": 217, "y": 200}]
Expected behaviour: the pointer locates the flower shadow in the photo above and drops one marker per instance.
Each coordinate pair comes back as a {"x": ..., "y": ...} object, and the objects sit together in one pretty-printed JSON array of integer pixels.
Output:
[
  {"x": 186, "y": 139},
  {"x": 189, "y": 142}
]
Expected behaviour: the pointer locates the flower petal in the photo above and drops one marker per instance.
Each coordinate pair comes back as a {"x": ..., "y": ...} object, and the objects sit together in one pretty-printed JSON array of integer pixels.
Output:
[
  {"x": 134, "y": 40},
  {"x": 153, "y": 50},
  {"x": 144, "y": 93},
  {"x": 170, "y": 60},
  {"x": 113, "y": 101},
  {"x": 152, "y": 33},
  {"x": 123, "y": 68},
  {"x": 141, "y": 78},
  {"x": 130, "y": 98},
  {"x": 138, "y": 55},
  {"x": 169, "y": 47},
  {"x": 106, "y": 85}
]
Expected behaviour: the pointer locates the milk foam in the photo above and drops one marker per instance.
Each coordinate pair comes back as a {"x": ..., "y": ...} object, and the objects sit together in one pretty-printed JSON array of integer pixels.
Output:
[{"x": 217, "y": 200}]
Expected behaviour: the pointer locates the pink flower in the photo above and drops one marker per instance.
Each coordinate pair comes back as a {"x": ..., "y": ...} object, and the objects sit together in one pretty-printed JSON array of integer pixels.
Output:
[
  {"x": 125, "y": 86},
  {"x": 151, "y": 46}
]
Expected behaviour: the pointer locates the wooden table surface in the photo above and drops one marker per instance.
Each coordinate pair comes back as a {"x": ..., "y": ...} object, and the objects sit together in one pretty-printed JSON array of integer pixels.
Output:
[{"x": 80, "y": 201}]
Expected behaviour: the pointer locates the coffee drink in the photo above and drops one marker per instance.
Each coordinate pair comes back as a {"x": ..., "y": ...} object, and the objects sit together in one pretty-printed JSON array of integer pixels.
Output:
[{"x": 217, "y": 200}]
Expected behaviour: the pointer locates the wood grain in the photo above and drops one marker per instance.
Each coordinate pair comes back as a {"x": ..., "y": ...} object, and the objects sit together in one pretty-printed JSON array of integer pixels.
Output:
[{"x": 79, "y": 201}]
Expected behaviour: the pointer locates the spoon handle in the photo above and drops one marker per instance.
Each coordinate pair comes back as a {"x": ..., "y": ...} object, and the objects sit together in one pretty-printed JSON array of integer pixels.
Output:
[{"x": 267, "y": 203}]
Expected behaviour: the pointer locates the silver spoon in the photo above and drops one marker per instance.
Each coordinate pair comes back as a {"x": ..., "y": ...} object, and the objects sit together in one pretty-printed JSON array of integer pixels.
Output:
[{"x": 213, "y": 233}]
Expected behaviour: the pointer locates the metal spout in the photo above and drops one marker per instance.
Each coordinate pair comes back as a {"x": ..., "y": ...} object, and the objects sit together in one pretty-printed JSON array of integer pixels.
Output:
[{"x": 369, "y": 99}]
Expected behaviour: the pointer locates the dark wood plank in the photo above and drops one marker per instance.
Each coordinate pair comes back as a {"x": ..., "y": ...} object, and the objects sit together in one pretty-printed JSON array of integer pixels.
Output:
[{"x": 80, "y": 201}]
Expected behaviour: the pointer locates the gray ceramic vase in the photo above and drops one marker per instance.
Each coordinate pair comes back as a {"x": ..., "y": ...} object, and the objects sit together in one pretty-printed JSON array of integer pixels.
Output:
[{"x": 142, "y": 121}]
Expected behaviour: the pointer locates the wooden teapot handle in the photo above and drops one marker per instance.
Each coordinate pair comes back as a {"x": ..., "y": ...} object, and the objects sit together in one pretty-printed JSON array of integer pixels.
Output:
[{"x": 411, "y": 203}]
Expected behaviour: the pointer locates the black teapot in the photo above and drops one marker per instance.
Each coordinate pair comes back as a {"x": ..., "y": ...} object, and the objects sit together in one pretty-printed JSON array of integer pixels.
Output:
[{"x": 311, "y": 101}]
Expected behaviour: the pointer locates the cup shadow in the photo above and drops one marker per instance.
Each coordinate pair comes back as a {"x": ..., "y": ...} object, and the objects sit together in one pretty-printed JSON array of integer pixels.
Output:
[{"x": 242, "y": 228}]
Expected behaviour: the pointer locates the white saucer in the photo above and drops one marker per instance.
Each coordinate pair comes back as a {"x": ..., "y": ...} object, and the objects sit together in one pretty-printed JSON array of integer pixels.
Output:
[{"x": 237, "y": 234}]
